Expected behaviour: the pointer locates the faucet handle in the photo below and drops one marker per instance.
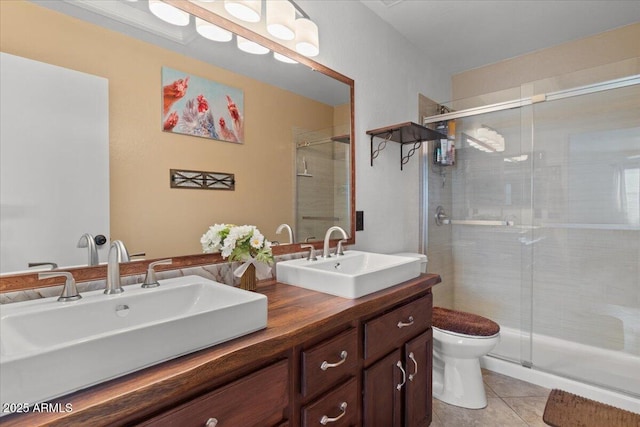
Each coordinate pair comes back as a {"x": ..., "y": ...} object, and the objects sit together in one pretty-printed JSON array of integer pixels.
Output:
[
  {"x": 53, "y": 265},
  {"x": 150, "y": 280},
  {"x": 312, "y": 252},
  {"x": 70, "y": 291},
  {"x": 340, "y": 247}
]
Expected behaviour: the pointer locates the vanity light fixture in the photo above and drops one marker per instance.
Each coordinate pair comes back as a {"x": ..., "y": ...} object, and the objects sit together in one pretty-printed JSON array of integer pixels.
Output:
[
  {"x": 245, "y": 10},
  {"x": 280, "y": 57},
  {"x": 307, "y": 42},
  {"x": 281, "y": 23},
  {"x": 250, "y": 46},
  {"x": 516, "y": 159},
  {"x": 477, "y": 144},
  {"x": 212, "y": 32},
  {"x": 169, "y": 13},
  {"x": 281, "y": 17},
  {"x": 487, "y": 140}
]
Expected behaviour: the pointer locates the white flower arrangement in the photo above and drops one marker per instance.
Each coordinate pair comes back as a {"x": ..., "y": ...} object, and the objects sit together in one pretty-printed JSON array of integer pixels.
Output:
[{"x": 239, "y": 243}]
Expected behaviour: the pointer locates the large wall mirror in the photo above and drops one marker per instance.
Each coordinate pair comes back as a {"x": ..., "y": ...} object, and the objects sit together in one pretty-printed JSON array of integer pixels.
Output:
[{"x": 295, "y": 165}]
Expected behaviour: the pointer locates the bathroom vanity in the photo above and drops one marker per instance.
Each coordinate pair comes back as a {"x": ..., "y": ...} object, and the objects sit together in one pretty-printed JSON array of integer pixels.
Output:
[{"x": 322, "y": 360}]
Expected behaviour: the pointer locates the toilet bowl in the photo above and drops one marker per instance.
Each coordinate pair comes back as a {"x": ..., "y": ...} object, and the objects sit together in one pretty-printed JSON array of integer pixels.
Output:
[{"x": 459, "y": 340}]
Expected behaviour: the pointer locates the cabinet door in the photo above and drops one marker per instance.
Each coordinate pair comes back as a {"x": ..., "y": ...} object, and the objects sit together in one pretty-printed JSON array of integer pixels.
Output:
[
  {"x": 382, "y": 397},
  {"x": 418, "y": 362},
  {"x": 258, "y": 399}
]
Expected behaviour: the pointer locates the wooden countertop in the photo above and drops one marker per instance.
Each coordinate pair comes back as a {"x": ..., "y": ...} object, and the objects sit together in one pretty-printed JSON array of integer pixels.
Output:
[{"x": 295, "y": 315}]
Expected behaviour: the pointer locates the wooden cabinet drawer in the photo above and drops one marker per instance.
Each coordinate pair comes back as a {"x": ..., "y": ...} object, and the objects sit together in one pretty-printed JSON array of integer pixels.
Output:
[
  {"x": 329, "y": 362},
  {"x": 392, "y": 329},
  {"x": 258, "y": 399},
  {"x": 337, "y": 408}
]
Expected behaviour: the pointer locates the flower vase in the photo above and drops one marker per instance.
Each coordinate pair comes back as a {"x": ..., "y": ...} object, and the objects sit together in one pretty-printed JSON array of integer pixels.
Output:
[{"x": 248, "y": 279}]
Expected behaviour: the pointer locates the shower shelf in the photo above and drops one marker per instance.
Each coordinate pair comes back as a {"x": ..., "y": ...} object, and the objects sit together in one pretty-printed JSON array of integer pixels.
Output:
[
  {"x": 345, "y": 139},
  {"x": 403, "y": 133}
]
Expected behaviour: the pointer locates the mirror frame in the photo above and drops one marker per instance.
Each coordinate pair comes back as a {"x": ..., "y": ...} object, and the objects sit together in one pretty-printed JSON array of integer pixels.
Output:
[{"x": 23, "y": 281}]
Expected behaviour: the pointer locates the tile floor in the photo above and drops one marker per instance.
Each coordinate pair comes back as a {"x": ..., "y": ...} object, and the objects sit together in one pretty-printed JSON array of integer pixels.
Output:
[{"x": 511, "y": 403}]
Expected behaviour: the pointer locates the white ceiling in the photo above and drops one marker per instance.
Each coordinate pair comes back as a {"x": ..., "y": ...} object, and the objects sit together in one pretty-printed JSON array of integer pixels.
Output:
[{"x": 461, "y": 35}]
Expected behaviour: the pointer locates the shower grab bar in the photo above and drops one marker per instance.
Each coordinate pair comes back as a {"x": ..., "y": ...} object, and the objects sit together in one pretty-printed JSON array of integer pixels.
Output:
[
  {"x": 478, "y": 222},
  {"x": 442, "y": 218},
  {"x": 322, "y": 218},
  {"x": 626, "y": 227}
]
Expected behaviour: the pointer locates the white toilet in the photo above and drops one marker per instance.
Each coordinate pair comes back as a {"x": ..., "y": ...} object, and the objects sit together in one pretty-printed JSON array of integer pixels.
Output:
[{"x": 459, "y": 341}]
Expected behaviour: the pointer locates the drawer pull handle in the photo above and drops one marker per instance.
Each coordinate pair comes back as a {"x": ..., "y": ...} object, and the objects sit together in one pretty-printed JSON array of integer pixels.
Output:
[
  {"x": 211, "y": 422},
  {"x": 326, "y": 420},
  {"x": 326, "y": 365},
  {"x": 409, "y": 323},
  {"x": 415, "y": 372},
  {"x": 404, "y": 376}
]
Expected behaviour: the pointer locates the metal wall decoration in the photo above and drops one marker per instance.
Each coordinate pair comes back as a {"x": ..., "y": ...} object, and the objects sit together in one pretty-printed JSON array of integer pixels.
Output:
[{"x": 202, "y": 180}]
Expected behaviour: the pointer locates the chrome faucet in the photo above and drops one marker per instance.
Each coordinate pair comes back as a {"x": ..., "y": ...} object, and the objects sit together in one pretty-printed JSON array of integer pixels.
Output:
[
  {"x": 87, "y": 241},
  {"x": 311, "y": 256},
  {"x": 115, "y": 257},
  {"x": 340, "y": 247},
  {"x": 289, "y": 230},
  {"x": 150, "y": 280},
  {"x": 124, "y": 253},
  {"x": 327, "y": 237}
]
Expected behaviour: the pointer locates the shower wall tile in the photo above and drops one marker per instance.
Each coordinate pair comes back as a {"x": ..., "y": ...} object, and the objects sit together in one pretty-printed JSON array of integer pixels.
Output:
[{"x": 591, "y": 294}]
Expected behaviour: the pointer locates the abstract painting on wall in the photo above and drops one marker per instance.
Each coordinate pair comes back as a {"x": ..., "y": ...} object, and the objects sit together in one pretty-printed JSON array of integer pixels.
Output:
[{"x": 196, "y": 106}]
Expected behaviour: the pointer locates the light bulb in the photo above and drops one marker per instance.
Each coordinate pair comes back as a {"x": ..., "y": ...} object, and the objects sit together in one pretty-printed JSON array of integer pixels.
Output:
[
  {"x": 307, "y": 37},
  {"x": 281, "y": 17},
  {"x": 169, "y": 13},
  {"x": 212, "y": 32},
  {"x": 245, "y": 10},
  {"x": 283, "y": 58},
  {"x": 250, "y": 47}
]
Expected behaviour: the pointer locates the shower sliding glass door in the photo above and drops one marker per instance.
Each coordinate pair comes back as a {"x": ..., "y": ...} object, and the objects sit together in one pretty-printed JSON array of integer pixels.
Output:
[
  {"x": 545, "y": 227},
  {"x": 490, "y": 220},
  {"x": 586, "y": 259}
]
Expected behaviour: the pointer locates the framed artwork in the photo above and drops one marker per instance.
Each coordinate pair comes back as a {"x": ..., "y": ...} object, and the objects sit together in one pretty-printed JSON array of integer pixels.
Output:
[{"x": 197, "y": 106}]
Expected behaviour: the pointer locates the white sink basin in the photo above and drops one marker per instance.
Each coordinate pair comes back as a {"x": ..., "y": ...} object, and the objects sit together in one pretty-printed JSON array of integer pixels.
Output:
[
  {"x": 49, "y": 348},
  {"x": 353, "y": 275}
]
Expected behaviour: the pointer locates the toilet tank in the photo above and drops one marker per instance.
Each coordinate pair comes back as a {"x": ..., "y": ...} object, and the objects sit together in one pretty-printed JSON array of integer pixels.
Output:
[{"x": 421, "y": 257}]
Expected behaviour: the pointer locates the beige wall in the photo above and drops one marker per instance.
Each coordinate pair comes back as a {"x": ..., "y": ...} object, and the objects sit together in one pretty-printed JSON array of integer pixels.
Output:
[
  {"x": 146, "y": 213},
  {"x": 602, "y": 49}
]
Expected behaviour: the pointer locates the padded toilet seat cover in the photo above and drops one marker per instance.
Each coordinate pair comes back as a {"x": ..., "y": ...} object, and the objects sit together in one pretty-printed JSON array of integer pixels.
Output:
[{"x": 464, "y": 323}]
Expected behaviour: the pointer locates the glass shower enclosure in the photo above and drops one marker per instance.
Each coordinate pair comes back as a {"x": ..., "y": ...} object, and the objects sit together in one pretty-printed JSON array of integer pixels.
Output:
[
  {"x": 544, "y": 220},
  {"x": 322, "y": 182}
]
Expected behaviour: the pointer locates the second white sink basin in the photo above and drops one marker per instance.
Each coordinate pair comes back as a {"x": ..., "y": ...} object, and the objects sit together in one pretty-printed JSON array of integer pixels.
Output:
[
  {"x": 352, "y": 275},
  {"x": 49, "y": 348}
]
